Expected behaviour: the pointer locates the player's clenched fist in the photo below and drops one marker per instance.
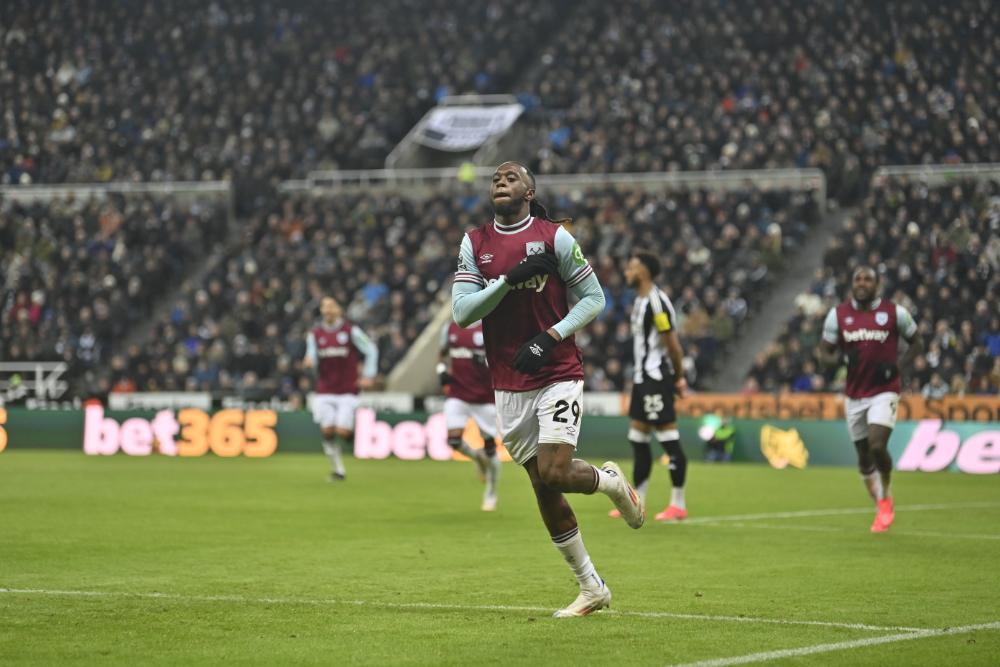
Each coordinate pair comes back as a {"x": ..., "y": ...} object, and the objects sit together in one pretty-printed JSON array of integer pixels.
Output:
[
  {"x": 530, "y": 267},
  {"x": 535, "y": 353}
]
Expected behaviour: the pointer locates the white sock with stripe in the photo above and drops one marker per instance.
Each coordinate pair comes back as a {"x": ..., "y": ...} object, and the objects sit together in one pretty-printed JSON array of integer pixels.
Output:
[{"x": 570, "y": 545}]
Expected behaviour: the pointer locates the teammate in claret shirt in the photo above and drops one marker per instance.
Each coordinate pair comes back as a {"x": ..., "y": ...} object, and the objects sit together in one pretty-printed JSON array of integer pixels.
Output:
[
  {"x": 515, "y": 274},
  {"x": 866, "y": 330},
  {"x": 466, "y": 377},
  {"x": 335, "y": 348}
]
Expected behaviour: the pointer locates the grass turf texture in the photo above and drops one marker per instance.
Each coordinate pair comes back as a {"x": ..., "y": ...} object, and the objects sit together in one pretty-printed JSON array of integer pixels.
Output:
[{"x": 264, "y": 562}]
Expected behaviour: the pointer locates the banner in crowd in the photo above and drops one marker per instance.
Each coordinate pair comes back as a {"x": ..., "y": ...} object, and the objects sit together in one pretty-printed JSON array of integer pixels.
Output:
[
  {"x": 464, "y": 128},
  {"x": 831, "y": 406}
]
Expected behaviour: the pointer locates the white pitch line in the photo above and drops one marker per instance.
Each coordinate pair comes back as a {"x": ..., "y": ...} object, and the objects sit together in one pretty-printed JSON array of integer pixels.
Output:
[
  {"x": 445, "y": 606},
  {"x": 831, "y": 529},
  {"x": 835, "y": 512},
  {"x": 839, "y": 646}
]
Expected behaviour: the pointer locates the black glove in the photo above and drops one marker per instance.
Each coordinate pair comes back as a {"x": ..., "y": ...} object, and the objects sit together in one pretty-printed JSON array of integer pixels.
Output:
[
  {"x": 887, "y": 371},
  {"x": 534, "y": 354},
  {"x": 532, "y": 266},
  {"x": 443, "y": 375}
]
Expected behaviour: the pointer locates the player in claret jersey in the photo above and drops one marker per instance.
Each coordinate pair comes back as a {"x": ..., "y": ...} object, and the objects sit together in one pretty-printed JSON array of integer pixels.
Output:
[
  {"x": 866, "y": 330},
  {"x": 334, "y": 348},
  {"x": 515, "y": 273},
  {"x": 464, "y": 372}
]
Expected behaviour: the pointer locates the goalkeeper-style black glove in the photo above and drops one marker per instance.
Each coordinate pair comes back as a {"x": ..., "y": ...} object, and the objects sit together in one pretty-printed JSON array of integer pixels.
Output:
[
  {"x": 534, "y": 354},
  {"x": 532, "y": 266},
  {"x": 443, "y": 375}
]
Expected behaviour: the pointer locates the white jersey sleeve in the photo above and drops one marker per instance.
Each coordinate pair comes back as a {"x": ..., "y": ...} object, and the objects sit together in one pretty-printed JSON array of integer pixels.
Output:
[
  {"x": 905, "y": 323},
  {"x": 831, "y": 328}
]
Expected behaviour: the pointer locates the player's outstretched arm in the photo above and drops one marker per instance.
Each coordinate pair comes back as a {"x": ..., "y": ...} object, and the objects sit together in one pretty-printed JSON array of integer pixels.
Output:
[
  {"x": 471, "y": 298},
  {"x": 312, "y": 356}
]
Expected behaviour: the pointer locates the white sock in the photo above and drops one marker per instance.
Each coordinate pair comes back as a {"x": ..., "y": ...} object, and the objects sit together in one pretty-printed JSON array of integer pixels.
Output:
[
  {"x": 570, "y": 545},
  {"x": 332, "y": 450},
  {"x": 492, "y": 474},
  {"x": 873, "y": 482},
  {"x": 677, "y": 497},
  {"x": 641, "y": 490},
  {"x": 605, "y": 480},
  {"x": 468, "y": 451}
]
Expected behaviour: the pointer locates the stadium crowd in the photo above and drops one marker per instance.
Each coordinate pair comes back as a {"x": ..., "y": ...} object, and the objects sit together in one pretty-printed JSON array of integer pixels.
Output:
[
  {"x": 387, "y": 258},
  {"x": 845, "y": 86},
  {"x": 937, "y": 250},
  {"x": 79, "y": 274},
  {"x": 255, "y": 90}
]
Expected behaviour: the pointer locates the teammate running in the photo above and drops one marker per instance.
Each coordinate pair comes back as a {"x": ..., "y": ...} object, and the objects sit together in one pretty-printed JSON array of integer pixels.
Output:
[
  {"x": 656, "y": 379},
  {"x": 333, "y": 348},
  {"x": 867, "y": 331},
  {"x": 515, "y": 274},
  {"x": 464, "y": 372}
]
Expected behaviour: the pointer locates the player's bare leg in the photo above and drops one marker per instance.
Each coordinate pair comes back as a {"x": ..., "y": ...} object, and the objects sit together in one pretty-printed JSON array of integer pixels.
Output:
[
  {"x": 878, "y": 442},
  {"x": 670, "y": 440},
  {"x": 334, "y": 440},
  {"x": 559, "y": 470},
  {"x": 869, "y": 474},
  {"x": 560, "y": 521}
]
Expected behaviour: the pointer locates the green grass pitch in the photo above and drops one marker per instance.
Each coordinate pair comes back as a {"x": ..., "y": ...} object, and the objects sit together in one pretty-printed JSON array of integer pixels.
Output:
[{"x": 209, "y": 561}]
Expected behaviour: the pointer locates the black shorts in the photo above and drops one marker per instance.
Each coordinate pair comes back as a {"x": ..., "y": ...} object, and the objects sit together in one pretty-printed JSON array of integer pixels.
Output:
[{"x": 653, "y": 402}]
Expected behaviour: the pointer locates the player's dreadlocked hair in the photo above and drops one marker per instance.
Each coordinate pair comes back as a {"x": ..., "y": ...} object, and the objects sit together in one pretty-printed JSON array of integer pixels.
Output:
[{"x": 536, "y": 209}]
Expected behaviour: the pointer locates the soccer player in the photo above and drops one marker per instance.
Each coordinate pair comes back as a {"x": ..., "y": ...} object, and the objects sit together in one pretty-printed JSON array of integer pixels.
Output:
[
  {"x": 334, "y": 348},
  {"x": 866, "y": 330},
  {"x": 464, "y": 372},
  {"x": 657, "y": 377},
  {"x": 515, "y": 273}
]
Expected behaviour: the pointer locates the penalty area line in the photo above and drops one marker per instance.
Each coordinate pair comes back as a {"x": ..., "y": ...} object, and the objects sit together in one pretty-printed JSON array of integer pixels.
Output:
[
  {"x": 839, "y": 646},
  {"x": 440, "y": 606}
]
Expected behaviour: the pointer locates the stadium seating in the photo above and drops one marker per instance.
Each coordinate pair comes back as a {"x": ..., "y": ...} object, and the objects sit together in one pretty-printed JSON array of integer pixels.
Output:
[
  {"x": 845, "y": 86},
  {"x": 938, "y": 252},
  {"x": 387, "y": 258},
  {"x": 187, "y": 90},
  {"x": 78, "y": 274}
]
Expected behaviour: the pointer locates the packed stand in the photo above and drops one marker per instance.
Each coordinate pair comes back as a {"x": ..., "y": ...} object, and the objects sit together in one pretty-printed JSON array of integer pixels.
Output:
[
  {"x": 845, "y": 86},
  {"x": 77, "y": 275},
  {"x": 242, "y": 330},
  {"x": 389, "y": 259},
  {"x": 255, "y": 89},
  {"x": 937, "y": 250}
]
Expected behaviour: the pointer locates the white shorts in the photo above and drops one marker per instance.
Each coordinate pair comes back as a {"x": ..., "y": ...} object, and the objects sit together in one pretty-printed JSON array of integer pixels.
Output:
[
  {"x": 878, "y": 409},
  {"x": 335, "y": 410},
  {"x": 552, "y": 415},
  {"x": 457, "y": 414}
]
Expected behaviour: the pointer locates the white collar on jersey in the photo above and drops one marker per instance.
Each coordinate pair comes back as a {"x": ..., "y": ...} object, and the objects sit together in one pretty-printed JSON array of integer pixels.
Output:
[
  {"x": 333, "y": 327},
  {"x": 857, "y": 306},
  {"x": 518, "y": 226}
]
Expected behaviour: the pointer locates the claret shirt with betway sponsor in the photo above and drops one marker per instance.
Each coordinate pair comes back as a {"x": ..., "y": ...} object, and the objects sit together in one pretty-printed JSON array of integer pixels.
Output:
[
  {"x": 529, "y": 307},
  {"x": 873, "y": 335}
]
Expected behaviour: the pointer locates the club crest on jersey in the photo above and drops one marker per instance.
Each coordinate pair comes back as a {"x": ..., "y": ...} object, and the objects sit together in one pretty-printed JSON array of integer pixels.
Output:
[
  {"x": 342, "y": 337},
  {"x": 848, "y": 320},
  {"x": 486, "y": 258},
  {"x": 534, "y": 248},
  {"x": 477, "y": 338},
  {"x": 881, "y": 319}
]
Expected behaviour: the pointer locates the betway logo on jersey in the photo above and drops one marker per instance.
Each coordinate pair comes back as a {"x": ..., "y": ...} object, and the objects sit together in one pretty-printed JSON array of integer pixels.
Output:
[
  {"x": 859, "y": 335},
  {"x": 536, "y": 283},
  {"x": 333, "y": 352}
]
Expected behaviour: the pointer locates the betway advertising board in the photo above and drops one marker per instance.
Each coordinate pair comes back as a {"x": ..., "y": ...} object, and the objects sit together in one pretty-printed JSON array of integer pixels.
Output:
[{"x": 777, "y": 432}]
